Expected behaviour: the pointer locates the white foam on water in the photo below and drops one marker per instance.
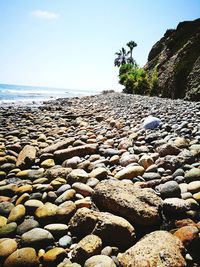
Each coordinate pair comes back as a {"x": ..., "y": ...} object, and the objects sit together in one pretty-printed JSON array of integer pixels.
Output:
[{"x": 29, "y": 95}]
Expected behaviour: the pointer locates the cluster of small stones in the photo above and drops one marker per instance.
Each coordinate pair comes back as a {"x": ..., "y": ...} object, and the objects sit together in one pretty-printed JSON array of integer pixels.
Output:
[{"x": 82, "y": 183}]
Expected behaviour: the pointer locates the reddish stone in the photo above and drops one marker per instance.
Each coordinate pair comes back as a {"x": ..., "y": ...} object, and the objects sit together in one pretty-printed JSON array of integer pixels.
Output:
[
  {"x": 187, "y": 234},
  {"x": 184, "y": 222}
]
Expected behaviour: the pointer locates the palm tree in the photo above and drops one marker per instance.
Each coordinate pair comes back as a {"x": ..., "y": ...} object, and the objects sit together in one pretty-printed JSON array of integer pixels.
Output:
[
  {"x": 131, "y": 45},
  {"x": 122, "y": 57}
]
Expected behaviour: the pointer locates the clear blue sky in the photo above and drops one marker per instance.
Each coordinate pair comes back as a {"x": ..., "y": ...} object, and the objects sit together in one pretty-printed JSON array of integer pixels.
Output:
[{"x": 71, "y": 43}]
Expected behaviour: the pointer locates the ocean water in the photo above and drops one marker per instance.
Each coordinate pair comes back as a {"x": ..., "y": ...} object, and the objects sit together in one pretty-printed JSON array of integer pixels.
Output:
[{"x": 10, "y": 93}]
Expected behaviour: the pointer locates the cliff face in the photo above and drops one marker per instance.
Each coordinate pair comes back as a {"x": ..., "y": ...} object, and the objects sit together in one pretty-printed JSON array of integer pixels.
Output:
[{"x": 177, "y": 60}]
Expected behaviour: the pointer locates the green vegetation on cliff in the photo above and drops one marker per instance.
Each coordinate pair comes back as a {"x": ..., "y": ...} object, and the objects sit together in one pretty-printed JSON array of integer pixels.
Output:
[
  {"x": 134, "y": 79},
  {"x": 173, "y": 68}
]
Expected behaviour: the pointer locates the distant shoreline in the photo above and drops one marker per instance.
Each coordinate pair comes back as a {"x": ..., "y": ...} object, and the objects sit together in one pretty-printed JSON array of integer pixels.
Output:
[{"x": 29, "y": 95}]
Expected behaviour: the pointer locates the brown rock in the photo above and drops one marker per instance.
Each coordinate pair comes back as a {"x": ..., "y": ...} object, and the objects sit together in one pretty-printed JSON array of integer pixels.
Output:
[
  {"x": 33, "y": 204},
  {"x": 103, "y": 224},
  {"x": 146, "y": 161},
  {"x": 194, "y": 187},
  {"x": 46, "y": 212},
  {"x": 3, "y": 220},
  {"x": 58, "y": 172},
  {"x": 99, "y": 173},
  {"x": 129, "y": 172},
  {"x": 196, "y": 196},
  {"x": 58, "y": 182},
  {"x": 184, "y": 222},
  {"x": 83, "y": 189},
  {"x": 57, "y": 146},
  {"x": 26, "y": 157},
  {"x": 79, "y": 151},
  {"x": 53, "y": 256},
  {"x": 181, "y": 142},
  {"x": 83, "y": 203},
  {"x": 114, "y": 159},
  {"x": 30, "y": 174},
  {"x": 17, "y": 213},
  {"x": 139, "y": 206},
  {"x": 24, "y": 257},
  {"x": 195, "y": 149},
  {"x": 99, "y": 260},
  {"x": 90, "y": 245},
  {"x": 24, "y": 189},
  {"x": 7, "y": 247},
  {"x": 72, "y": 162},
  {"x": 7, "y": 159},
  {"x": 23, "y": 198},
  {"x": 65, "y": 211},
  {"x": 125, "y": 143},
  {"x": 47, "y": 163},
  {"x": 67, "y": 195},
  {"x": 127, "y": 159},
  {"x": 158, "y": 248},
  {"x": 168, "y": 149},
  {"x": 187, "y": 234},
  {"x": 78, "y": 175}
]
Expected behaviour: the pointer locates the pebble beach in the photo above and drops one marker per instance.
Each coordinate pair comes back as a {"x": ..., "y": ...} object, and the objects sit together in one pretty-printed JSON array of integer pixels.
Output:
[{"x": 83, "y": 183}]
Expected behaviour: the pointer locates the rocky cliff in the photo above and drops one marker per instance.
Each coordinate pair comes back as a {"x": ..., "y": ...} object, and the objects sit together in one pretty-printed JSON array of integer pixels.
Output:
[{"x": 176, "y": 56}]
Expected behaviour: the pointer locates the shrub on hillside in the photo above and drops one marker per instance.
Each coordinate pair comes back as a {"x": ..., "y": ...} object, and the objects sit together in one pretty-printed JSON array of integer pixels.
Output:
[
  {"x": 154, "y": 90},
  {"x": 134, "y": 79},
  {"x": 142, "y": 85}
]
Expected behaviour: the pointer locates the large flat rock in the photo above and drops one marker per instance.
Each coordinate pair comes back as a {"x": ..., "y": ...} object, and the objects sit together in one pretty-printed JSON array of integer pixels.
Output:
[
  {"x": 139, "y": 206},
  {"x": 80, "y": 151},
  {"x": 113, "y": 230},
  {"x": 158, "y": 248},
  {"x": 58, "y": 146},
  {"x": 26, "y": 157}
]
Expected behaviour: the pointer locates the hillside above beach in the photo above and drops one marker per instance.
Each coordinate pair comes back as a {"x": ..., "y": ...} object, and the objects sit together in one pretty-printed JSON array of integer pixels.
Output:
[{"x": 176, "y": 58}]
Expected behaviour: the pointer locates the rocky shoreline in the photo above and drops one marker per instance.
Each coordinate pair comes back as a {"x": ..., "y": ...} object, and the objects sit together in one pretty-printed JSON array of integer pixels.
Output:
[{"x": 82, "y": 183}]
